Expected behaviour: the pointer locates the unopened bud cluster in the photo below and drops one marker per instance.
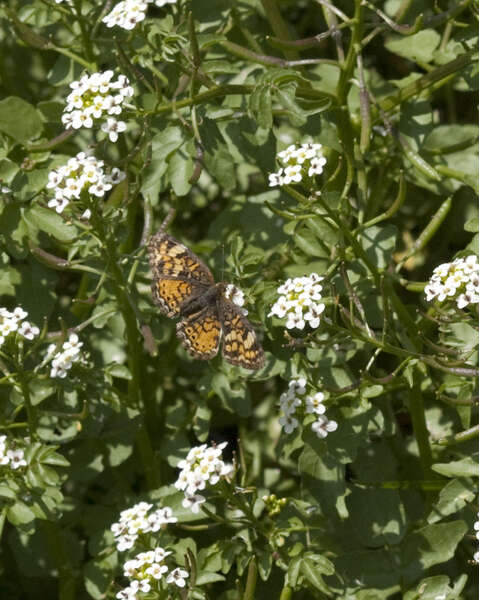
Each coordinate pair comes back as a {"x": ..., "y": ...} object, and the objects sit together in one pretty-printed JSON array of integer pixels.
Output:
[{"x": 273, "y": 504}]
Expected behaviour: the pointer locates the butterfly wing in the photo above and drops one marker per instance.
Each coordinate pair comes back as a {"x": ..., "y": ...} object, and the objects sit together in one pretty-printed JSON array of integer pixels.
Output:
[
  {"x": 178, "y": 274},
  {"x": 200, "y": 333},
  {"x": 240, "y": 344}
]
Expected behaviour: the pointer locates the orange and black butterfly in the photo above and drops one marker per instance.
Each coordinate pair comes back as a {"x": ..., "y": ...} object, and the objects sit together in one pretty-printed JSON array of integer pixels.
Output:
[{"x": 184, "y": 287}]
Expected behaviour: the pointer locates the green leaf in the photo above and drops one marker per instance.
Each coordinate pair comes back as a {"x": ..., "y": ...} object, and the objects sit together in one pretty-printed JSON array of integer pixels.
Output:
[
  {"x": 6, "y": 492},
  {"x": 265, "y": 562},
  {"x": 310, "y": 571},
  {"x": 294, "y": 568},
  {"x": 19, "y": 119},
  {"x": 201, "y": 422},
  {"x": 180, "y": 169},
  {"x": 322, "y": 564},
  {"x": 472, "y": 225},
  {"x": 466, "y": 467},
  {"x": 20, "y": 514},
  {"x": 206, "y": 577},
  {"x": 47, "y": 220},
  {"x": 379, "y": 243},
  {"x": 221, "y": 165},
  {"x": 431, "y": 545},
  {"x": 286, "y": 97},
  {"x": 418, "y": 47}
]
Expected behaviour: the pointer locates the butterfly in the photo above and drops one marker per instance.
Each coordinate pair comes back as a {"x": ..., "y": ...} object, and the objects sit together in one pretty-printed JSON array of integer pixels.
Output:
[{"x": 184, "y": 287}]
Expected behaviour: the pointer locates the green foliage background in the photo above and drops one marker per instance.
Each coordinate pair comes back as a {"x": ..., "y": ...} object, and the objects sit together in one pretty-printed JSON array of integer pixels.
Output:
[{"x": 384, "y": 506}]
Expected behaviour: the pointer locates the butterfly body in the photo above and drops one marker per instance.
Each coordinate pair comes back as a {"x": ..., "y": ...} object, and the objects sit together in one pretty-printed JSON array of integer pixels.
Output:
[{"x": 184, "y": 287}]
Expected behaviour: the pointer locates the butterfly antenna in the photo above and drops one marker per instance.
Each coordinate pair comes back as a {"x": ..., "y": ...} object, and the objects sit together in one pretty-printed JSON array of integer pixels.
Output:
[{"x": 167, "y": 220}]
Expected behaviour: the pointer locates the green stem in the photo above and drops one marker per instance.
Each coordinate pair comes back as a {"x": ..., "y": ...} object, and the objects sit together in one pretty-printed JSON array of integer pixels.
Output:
[
  {"x": 463, "y": 436},
  {"x": 30, "y": 409},
  {"x": 428, "y": 232},
  {"x": 66, "y": 575},
  {"x": 251, "y": 580},
  {"x": 434, "y": 79},
  {"x": 416, "y": 409},
  {"x": 286, "y": 593},
  {"x": 347, "y": 69},
  {"x": 278, "y": 25},
  {"x": 134, "y": 349}
]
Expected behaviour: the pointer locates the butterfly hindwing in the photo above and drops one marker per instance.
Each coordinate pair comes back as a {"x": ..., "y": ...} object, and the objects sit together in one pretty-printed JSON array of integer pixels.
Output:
[
  {"x": 240, "y": 344},
  {"x": 200, "y": 333}
]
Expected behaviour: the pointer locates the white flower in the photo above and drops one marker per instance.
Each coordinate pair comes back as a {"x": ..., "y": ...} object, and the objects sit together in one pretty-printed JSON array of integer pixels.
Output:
[
  {"x": 193, "y": 502},
  {"x": 323, "y": 426},
  {"x": 314, "y": 404},
  {"x": 156, "y": 571},
  {"x": 178, "y": 576},
  {"x": 276, "y": 178},
  {"x": 16, "y": 458},
  {"x": 316, "y": 166},
  {"x": 112, "y": 127},
  {"x": 288, "y": 423},
  {"x": 288, "y": 403},
  {"x": 292, "y": 173},
  {"x": 295, "y": 321}
]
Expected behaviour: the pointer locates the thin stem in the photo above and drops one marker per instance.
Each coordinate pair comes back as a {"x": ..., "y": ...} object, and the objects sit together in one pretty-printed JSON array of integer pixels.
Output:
[
  {"x": 134, "y": 349},
  {"x": 416, "y": 409},
  {"x": 30, "y": 409},
  {"x": 251, "y": 580}
]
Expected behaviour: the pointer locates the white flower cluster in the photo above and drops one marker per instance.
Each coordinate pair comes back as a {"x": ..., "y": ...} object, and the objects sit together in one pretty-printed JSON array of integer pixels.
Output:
[
  {"x": 128, "y": 13},
  {"x": 14, "y": 458},
  {"x": 203, "y": 465},
  {"x": 299, "y": 302},
  {"x": 458, "y": 280},
  {"x": 138, "y": 520},
  {"x": 145, "y": 572},
  {"x": 94, "y": 97},
  {"x": 295, "y": 403},
  {"x": 299, "y": 163},
  {"x": 63, "y": 360},
  {"x": 14, "y": 321},
  {"x": 81, "y": 173}
]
